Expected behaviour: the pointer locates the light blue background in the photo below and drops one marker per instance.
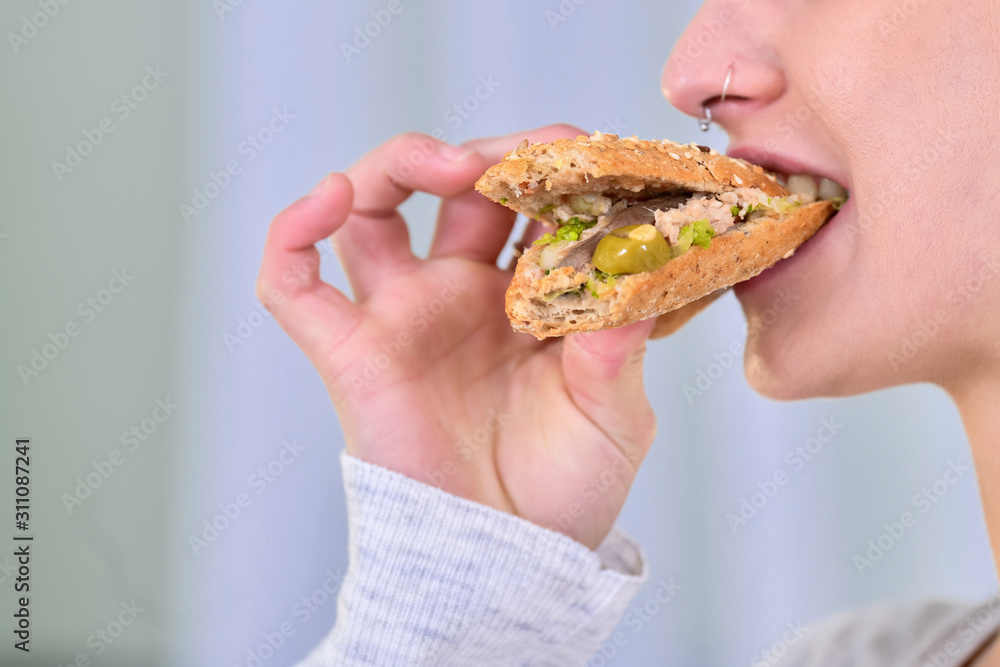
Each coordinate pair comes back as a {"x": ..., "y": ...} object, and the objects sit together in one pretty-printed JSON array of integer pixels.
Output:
[{"x": 166, "y": 335}]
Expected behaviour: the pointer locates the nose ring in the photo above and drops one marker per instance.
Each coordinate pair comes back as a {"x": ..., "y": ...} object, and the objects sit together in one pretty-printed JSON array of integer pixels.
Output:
[{"x": 706, "y": 122}]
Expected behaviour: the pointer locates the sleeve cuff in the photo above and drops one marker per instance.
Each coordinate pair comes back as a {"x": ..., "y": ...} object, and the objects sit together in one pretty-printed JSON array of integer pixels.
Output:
[{"x": 472, "y": 584}]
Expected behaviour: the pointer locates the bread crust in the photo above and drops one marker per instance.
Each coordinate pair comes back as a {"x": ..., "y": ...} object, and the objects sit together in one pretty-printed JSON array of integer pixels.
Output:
[
  {"x": 534, "y": 176},
  {"x": 739, "y": 254}
]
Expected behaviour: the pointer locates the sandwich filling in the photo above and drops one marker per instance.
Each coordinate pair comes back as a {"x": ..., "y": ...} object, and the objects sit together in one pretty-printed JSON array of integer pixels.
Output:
[{"x": 599, "y": 240}]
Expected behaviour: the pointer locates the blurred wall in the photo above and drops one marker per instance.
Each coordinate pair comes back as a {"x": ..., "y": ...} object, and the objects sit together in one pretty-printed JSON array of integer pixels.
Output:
[
  {"x": 184, "y": 526},
  {"x": 94, "y": 118}
]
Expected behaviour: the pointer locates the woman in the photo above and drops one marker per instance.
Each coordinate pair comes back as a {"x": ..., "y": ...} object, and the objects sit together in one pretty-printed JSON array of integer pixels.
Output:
[{"x": 467, "y": 444}]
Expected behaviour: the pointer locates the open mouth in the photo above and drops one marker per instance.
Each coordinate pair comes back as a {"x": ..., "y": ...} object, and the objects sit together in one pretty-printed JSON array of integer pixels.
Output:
[
  {"x": 797, "y": 175},
  {"x": 803, "y": 184},
  {"x": 814, "y": 186}
]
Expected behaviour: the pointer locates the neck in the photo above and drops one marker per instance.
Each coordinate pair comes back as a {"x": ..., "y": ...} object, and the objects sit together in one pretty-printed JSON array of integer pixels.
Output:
[{"x": 978, "y": 402}]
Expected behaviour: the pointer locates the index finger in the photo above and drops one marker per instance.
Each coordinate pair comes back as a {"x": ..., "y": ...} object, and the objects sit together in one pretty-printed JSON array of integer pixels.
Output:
[
  {"x": 473, "y": 227},
  {"x": 494, "y": 148},
  {"x": 374, "y": 242}
]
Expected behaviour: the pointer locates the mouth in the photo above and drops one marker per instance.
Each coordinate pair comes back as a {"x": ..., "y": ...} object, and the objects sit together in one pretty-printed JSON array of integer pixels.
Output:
[
  {"x": 797, "y": 176},
  {"x": 800, "y": 177}
]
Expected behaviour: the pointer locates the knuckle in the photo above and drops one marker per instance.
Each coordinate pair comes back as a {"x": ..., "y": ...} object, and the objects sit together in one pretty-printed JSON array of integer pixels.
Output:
[
  {"x": 567, "y": 130},
  {"x": 411, "y": 141}
]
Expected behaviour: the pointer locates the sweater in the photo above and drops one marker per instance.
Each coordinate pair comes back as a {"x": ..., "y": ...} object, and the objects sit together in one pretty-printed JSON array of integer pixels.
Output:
[{"x": 435, "y": 579}]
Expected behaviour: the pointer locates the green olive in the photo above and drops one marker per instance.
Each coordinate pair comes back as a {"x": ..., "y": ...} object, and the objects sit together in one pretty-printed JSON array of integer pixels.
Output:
[{"x": 632, "y": 249}]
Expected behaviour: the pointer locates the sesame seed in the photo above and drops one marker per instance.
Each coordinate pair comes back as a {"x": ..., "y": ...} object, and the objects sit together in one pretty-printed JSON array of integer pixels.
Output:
[
  {"x": 688, "y": 155},
  {"x": 738, "y": 180},
  {"x": 675, "y": 156}
]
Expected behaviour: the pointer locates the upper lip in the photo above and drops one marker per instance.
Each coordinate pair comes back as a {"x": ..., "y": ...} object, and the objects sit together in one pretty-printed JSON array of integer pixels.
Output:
[{"x": 786, "y": 164}]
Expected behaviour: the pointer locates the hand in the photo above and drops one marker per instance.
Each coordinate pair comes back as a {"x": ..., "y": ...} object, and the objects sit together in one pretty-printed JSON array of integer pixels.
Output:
[{"x": 427, "y": 377}]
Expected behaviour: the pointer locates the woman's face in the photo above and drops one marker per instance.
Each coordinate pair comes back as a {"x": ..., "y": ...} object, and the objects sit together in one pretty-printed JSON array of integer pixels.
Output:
[{"x": 899, "y": 102}]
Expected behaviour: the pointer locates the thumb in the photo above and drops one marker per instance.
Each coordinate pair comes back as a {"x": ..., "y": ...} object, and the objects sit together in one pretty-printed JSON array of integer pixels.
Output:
[{"x": 603, "y": 373}]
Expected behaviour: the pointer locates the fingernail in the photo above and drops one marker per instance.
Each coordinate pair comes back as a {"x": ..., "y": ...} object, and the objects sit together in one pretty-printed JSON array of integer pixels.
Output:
[
  {"x": 454, "y": 153},
  {"x": 321, "y": 186}
]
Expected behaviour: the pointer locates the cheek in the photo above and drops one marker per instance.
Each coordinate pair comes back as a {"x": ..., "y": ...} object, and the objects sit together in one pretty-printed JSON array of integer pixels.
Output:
[
  {"x": 879, "y": 285},
  {"x": 874, "y": 298}
]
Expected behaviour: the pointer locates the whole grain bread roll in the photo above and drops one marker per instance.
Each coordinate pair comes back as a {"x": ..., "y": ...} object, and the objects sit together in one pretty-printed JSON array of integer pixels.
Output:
[{"x": 538, "y": 179}]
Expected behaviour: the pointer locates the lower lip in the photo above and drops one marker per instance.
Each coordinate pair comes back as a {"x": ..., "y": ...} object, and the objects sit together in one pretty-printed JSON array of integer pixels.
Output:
[{"x": 808, "y": 252}]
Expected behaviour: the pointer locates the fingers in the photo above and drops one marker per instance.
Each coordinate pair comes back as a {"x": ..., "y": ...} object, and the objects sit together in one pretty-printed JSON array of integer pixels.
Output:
[
  {"x": 603, "y": 372},
  {"x": 316, "y": 315},
  {"x": 473, "y": 227},
  {"x": 374, "y": 244},
  {"x": 494, "y": 148}
]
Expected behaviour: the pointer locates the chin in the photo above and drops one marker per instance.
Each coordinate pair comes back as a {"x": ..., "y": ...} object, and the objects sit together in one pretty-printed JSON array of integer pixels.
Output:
[
  {"x": 805, "y": 330},
  {"x": 796, "y": 362},
  {"x": 776, "y": 370}
]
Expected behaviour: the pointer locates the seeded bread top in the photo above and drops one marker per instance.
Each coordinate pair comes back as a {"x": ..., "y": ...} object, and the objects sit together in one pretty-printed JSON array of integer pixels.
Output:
[{"x": 534, "y": 176}]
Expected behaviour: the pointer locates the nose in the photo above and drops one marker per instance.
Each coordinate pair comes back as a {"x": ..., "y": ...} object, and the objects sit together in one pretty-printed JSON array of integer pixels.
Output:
[{"x": 724, "y": 34}]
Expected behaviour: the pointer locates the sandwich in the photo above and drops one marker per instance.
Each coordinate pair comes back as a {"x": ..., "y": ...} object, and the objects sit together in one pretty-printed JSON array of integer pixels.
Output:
[{"x": 641, "y": 229}]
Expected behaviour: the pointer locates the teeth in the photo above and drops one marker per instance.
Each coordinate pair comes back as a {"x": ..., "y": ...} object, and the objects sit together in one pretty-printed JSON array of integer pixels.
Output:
[
  {"x": 803, "y": 184},
  {"x": 830, "y": 190}
]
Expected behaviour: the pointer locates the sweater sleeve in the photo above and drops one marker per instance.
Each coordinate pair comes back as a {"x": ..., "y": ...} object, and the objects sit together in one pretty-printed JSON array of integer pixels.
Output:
[{"x": 435, "y": 579}]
